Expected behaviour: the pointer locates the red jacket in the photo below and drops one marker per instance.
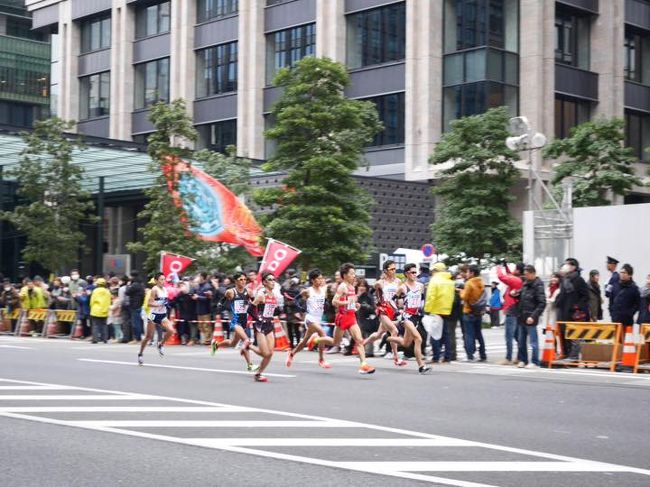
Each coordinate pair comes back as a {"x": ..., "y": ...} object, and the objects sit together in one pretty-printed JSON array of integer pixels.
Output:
[{"x": 514, "y": 283}]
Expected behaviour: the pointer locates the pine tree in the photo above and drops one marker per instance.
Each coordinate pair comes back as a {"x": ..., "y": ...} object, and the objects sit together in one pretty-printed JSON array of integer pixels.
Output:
[
  {"x": 55, "y": 204},
  {"x": 320, "y": 138},
  {"x": 596, "y": 159},
  {"x": 473, "y": 218}
]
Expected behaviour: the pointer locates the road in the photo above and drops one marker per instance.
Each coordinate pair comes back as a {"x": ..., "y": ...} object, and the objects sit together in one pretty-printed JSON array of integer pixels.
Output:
[{"x": 74, "y": 413}]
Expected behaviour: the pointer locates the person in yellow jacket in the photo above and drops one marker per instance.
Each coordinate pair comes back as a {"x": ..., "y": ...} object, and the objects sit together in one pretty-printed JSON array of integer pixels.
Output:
[
  {"x": 474, "y": 305},
  {"x": 100, "y": 304},
  {"x": 439, "y": 300},
  {"x": 32, "y": 296}
]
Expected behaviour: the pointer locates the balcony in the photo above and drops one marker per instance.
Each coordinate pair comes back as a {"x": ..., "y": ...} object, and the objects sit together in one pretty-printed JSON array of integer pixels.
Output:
[
  {"x": 576, "y": 82},
  {"x": 637, "y": 96},
  {"x": 637, "y": 13},
  {"x": 586, "y": 5}
]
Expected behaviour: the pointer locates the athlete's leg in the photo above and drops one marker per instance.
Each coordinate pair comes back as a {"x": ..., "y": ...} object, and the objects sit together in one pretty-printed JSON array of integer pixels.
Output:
[
  {"x": 169, "y": 330},
  {"x": 311, "y": 329},
  {"x": 151, "y": 328},
  {"x": 355, "y": 333},
  {"x": 323, "y": 342},
  {"x": 412, "y": 335},
  {"x": 266, "y": 343}
]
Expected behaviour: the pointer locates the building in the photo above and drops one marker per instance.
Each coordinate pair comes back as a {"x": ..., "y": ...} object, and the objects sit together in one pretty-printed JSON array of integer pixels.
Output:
[
  {"x": 424, "y": 63},
  {"x": 24, "y": 67}
]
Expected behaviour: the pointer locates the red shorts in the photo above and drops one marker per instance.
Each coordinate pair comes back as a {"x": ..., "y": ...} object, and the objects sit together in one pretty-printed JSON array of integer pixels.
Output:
[
  {"x": 346, "y": 320},
  {"x": 386, "y": 309}
]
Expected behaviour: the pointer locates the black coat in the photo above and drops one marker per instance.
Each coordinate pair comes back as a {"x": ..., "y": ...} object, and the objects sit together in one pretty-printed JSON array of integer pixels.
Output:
[
  {"x": 644, "y": 311},
  {"x": 573, "y": 298},
  {"x": 626, "y": 303},
  {"x": 532, "y": 301},
  {"x": 135, "y": 292}
]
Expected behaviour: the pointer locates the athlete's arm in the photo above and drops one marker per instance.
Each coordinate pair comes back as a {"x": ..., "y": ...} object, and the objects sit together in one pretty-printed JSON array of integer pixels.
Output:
[
  {"x": 340, "y": 298},
  {"x": 259, "y": 298},
  {"x": 230, "y": 294},
  {"x": 153, "y": 296}
]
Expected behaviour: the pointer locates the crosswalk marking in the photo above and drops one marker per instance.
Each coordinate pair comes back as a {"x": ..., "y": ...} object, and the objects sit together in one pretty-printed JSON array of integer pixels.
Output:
[
  {"x": 35, "y": 388},
  {"x": 71, "y": 397},
  {"x": 345, "y": 441}
]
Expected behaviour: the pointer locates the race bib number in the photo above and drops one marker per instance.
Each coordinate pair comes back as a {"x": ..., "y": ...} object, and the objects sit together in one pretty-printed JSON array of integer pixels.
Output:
[
  {"x": 414, "y": 301},
  {"x": 268, "y": 311},
  {"x": 240, "y": 307},
  {"x": 352, "y": 304},
  {"x": 152, "y": 316}
]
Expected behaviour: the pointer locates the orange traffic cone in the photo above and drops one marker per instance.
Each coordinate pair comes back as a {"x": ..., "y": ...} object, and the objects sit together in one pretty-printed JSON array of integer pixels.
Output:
[
  {"x": 548, "y": 354},
  {"x": 78, "y": 330},
  {"x": 24, "y": 324},
  {"x": 281, "y": 342},
  {"x": 217, "y": 334},
  {"x": 629, "y": 349},
  {"x": 174, "y": 339},
  {"x": 52, "y": 327}
]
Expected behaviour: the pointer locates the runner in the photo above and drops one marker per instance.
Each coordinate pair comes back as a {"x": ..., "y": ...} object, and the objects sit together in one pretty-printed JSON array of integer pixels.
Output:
[
  {"x": 346, "y": 316},
  {"x": 314, "y": 297},
  {"x": 239, "y": 300},
  {"x": 407, "y": 324},
  {"x": 386, "y": 289},
  {"x": 157, "y": 317},
  {"x": 262, "y": 312}
]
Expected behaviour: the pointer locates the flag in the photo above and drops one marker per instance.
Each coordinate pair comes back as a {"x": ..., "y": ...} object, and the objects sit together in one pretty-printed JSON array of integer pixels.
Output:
[
  {"x": 277, "y": 257},
  {"x": 171, "y": 264},
  {"x": 217, "y": 215}
]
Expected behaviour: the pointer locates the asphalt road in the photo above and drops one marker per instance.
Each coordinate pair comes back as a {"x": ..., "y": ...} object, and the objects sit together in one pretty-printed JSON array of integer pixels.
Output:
[{"x": 78, "y": 414}]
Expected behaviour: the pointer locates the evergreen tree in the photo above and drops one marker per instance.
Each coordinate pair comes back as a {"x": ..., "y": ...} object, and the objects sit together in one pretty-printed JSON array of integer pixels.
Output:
[
  {"x": 473, "y": 217},
  {"x": 55, "y": 203},
  {"x": 595, "y": 155},
  {"x": 320, "y": 138}
]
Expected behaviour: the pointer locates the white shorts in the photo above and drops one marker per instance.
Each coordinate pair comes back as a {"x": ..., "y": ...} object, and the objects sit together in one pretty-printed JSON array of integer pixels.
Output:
[{"x": 313, "y": 320}]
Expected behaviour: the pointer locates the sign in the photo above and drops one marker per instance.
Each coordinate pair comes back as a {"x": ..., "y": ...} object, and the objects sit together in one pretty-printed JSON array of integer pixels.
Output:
[
  {"x": 173, "y": 263},
  {"x": 428, "y": 250},
  {"x": 399, "y": 259},
  {"x": 277, "y": 258},
  {"x": 117, "y": 263}
]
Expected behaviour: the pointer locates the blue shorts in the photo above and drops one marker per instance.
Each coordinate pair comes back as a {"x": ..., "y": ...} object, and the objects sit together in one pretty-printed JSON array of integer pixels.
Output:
[{"x": 157, "y": 318}]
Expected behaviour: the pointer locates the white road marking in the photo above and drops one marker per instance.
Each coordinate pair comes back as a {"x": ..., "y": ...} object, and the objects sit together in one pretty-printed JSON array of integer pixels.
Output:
[
  {"x": 322, "y": 442},
  {"x": 559, "y": 463},
  {"x": 16, "y": 347},
  {"x": 201, "y": 369},
  {"x": 36, "y": 388},
  {"x": 127, "y": 409},
  {"x": 210, "y": 424},
  {"x": 71, "y": 397}
]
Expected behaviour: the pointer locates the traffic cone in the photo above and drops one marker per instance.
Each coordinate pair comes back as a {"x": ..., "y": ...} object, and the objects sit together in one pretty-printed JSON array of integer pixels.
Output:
[
  {"x": 217, "y": 334},
  {"x": 78, "y": 330},
  {"x": 24, "y": 324},
  {"x": 281, "y": 342},
  {"x": 629, "y": 349},
  {"x": 548, "y": 354},
  {"x": 52, "y": 327}
]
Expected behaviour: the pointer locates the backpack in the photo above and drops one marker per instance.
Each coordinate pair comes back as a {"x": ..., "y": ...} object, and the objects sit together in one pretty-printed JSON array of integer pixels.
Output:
[{"x": 479, "y": 307}]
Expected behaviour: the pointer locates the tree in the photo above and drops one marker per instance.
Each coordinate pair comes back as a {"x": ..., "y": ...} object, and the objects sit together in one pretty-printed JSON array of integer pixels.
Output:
[
  {"x": 597, "y": 158},
  {"x": 320, "y": 138},
  {"x": 473, "y": 217},
  {"x": 55, "y": 202}
]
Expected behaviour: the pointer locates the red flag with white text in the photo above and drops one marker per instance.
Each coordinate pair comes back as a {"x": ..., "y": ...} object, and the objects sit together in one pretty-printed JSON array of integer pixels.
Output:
[
  {"x": 277, "y": 257},
  {"x": 173, "y": 263}
]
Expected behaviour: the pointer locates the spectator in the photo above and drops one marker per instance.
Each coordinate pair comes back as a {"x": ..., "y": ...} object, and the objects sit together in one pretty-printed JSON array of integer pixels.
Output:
[
  {"x": 628, "y": 298},
  {"x": 439, "y": 300},
  {"x": 10, "y": 301},
  {"x": 644, "y": 311},
  {"x": 135, "y": 293},
  {"x": 495, "y": 305},
  {"x": 291, "y": 294},
  {"x": 425, "y": 274},
  {"x": 60, "y": 297},
  {"x": 513, "y": 283},
  {"x": 76, "y": 286},
  {"x": 186, "y": 316},
  {"x": 115, "y": 310},
  {"x": 203, "y": 298},
  {"x": 613, "y": 285},
  {"x": 33, "y": 297},
  {"x": 366, "y": 314},
  {"x": 551, "y": 295},
  {"x": 474, "y": 304},
  {"x": 572, "y": 304},
  {"x": 127, "y": 329},
  {"x": 83, "y": 308},
  {"x": 532, "y": 303},
  {"x": 100, "y": 303},
  {"x": 595, "y": 298}
]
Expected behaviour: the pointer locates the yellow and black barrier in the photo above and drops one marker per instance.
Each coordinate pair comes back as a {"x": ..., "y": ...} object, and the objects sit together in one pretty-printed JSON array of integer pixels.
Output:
[
  {"x": 592, "y": 332},
  {"x": 6, "y": 318},
  {"x": 644, "y": 341}
]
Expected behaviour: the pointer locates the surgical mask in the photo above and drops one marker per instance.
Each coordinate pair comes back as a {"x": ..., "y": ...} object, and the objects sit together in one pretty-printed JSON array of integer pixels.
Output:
[
  {"x": 7, "y": 288},
  {"x": 74, "y": 277},
  {"x": 566, "y": 268}
]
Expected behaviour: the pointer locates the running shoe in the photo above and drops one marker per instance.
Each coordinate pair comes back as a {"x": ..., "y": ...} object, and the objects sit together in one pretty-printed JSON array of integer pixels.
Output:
[
  {"x": 313, "y": 342},
  {"x": 214, "y": 346},
  {"x": 333, "y": 350},
  {"x": 424, "y": 370},
  {"x": 289, "y": 360},
  {"x": 252, "y": 367},
  {"x": 366, "y": 369},
  {"x": 324, "y": 364},
  {"x": 140, "y": 359},
  {"x": 400, "y": 362},
  {"x": 161, "y": 350},
  {"x": 260, "y": 378}
]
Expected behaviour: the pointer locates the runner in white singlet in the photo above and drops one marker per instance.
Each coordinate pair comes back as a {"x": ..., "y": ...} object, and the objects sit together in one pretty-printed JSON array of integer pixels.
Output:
[{"x": 157, "y": 317}]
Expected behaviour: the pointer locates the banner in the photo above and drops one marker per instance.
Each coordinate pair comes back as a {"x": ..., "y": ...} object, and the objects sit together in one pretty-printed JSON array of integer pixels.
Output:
[
  {"x": 173, "y": 263},
  {"x": 277, "y": 258},
  {"x": 216, "y": 213}
]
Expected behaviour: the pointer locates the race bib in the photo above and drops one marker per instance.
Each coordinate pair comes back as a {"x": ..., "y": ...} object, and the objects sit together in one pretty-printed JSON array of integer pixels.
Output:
[
  {"x": 268, "y": 311},
  {"x": 414, "y": 301},
  {"x": 240, "y": 307},
  {"x": 352, "y": 304}
]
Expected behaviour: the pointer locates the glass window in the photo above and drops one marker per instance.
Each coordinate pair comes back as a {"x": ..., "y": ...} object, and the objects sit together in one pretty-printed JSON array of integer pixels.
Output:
[
  {"x": 637, "y": 134},
  {"x": 21, "y": 27},
  {"x": 569, "y": 112},
  {"x": 152, "y": 19},
  {"x": 218, "y": 136},
  {"x": 95, "y": 34},
  {"x": 217, "y": 70},
  {"x": 151, "y": 83},
  {"x": 286, "y": 47},
  {"x": 476, "y": 98},
  {"x": 391, "y": 113},
  {"x": 95, "y": 98},
  {"x": 637, "y": 50},
  {"x": 572, "y": 44},
  {"x": 481, "y": 64},
  {"x": 213, "y": 9},
  {"x": 377, "y": 36}
]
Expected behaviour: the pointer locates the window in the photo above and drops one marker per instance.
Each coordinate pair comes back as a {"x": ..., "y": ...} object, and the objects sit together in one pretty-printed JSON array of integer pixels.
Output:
[
  {"x": 377, "y": 36},
  {"x": 151, "y": 83},
  {"x": 391, "y": 113},
  {"x": 569, "y": 112},
  {"x": 151, "y": 20},
  {"x": 217, "y": 70},
  {"x": 95, "y": 34},
  {"x": 476, "y": 98},
  {"x": 17, "y": 114},
  {"x": 572, "y": 39},
  {"x": 637, "y": 46},
  {"x": 213, "y": 9},
  {"x": 95, "y": 98},
  {"x": 637, "y": 133},
  {"x": 20, "y": 27},
  {"x": 218, "y": 136},
  {"x": 286, "y": 47}
]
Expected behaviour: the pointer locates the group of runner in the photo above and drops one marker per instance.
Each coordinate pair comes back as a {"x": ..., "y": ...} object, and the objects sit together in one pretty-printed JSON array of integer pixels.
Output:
[{"x": 399, "y": 309}]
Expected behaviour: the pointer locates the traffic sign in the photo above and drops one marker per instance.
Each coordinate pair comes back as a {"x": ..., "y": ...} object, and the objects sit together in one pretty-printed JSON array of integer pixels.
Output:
[{"x": 428, "y": 250}]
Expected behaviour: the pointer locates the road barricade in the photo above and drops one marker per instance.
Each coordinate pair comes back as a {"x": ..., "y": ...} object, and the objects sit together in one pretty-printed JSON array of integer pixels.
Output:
[
  {"x": 603, "y": 341},
  {"x": 57, "y": 316},
  {"x": 643, "y": 344},
  {"x": 6, "y": 319}
]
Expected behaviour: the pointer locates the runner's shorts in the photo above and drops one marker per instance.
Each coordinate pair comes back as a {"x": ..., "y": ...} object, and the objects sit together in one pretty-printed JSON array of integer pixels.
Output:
[
  {"x": 263, "y": 326},
  {"x": 157, "y": 318},
  {"x": 387, "y": 310},
  {"x": 346, "y": 320}
]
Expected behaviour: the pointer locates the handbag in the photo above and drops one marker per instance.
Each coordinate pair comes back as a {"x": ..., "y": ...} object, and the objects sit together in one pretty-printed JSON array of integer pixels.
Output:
[{"x": 433, "y": 324}]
